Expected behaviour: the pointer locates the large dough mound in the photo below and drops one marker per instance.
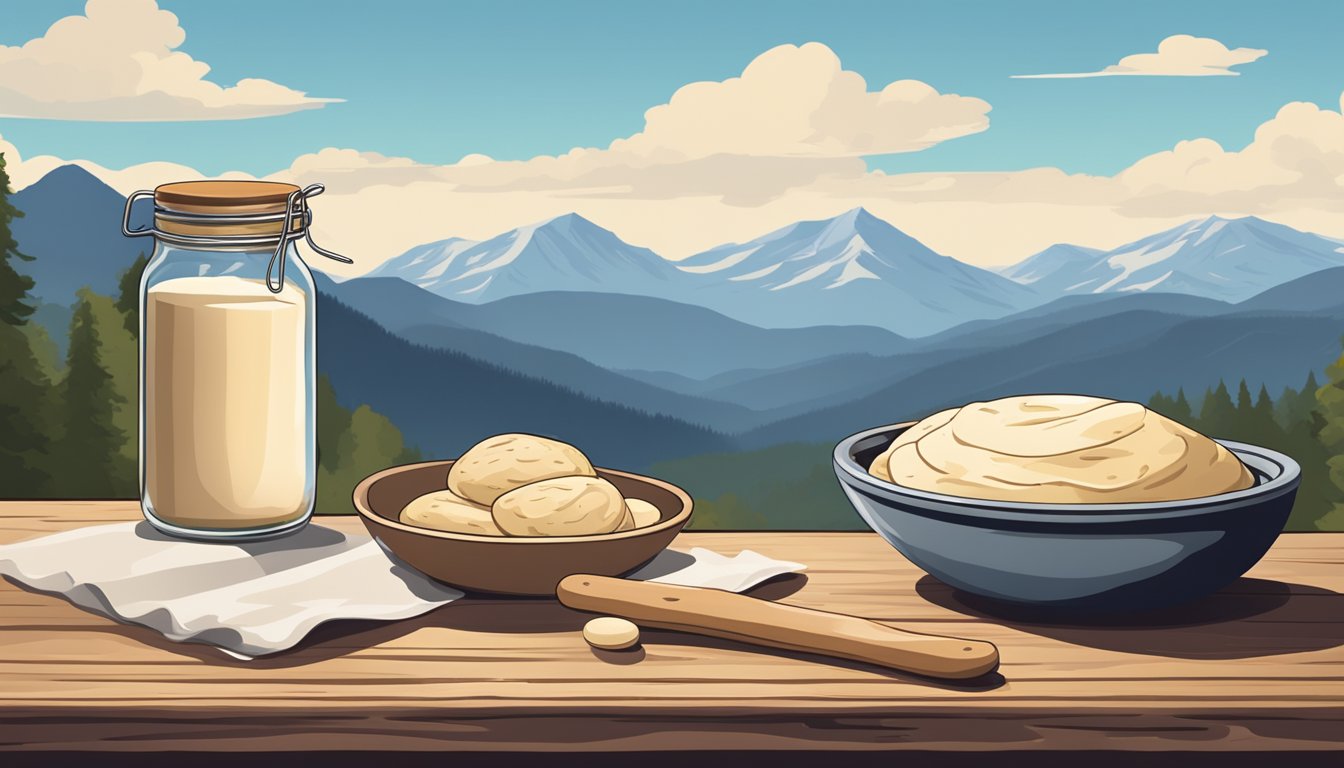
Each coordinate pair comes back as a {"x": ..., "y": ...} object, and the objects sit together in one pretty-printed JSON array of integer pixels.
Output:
[
  {"x": 1060, "y": 449},
  {"x": 498, "y": 464}
]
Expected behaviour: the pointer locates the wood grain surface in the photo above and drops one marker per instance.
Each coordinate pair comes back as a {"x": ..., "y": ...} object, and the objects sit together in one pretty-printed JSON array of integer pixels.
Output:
[{"x": 1259, "y": 666}]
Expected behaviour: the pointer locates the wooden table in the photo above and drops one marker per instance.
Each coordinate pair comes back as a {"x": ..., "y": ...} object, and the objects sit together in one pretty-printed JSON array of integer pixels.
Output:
[{"x": 1257, "y": 667}]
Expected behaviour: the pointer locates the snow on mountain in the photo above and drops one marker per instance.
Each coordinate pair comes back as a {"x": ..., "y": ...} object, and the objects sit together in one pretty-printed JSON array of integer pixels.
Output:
[
  {"x": 567, "y": 253},
  {"x": 1216, "y": 258},
  {"x": 854, "y": 269},
  {"x": 1057, "y": 260}
]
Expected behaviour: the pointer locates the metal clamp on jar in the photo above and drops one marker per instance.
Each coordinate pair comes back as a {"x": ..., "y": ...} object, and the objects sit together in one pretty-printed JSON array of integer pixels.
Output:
[{"x": 227, "y": 360}]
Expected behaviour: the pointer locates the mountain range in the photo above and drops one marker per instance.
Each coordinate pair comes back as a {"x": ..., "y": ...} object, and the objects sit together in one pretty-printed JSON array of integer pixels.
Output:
[
  {"x": 803, "y": 334},
  {"x": 856, "y": 269},
  {"x": 853, "y": 269},
  {"x": 1216, "y": 258},
  {"x": 567, "y": 253}
]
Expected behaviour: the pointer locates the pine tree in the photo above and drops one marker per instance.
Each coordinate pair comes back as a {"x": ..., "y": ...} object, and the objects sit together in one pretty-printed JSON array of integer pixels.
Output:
[
  {"x": 1160, "y": 403},
  {"x": 91, "y": 448},
  {"x": 1244, "y": 403},
  {"x": 1315, "y": 496},
  {"x": 351, "y": 445},
  {"x": 1175, "y": 408},
  {"x": 14, "y": 287},
  {"x": 1260, "y": 427},
  {"x": 1218, "y": 414},
  {"x": 128, "y": 295},
  {"x": 1180, "y": 410},
  {"x": 1283, "y": 407},
  {"x": 118, "y": 354},
  {"x": 1304, "y": 405},
  {"x": 333, "y": 422},
  {"x": 25, "y": 390},
  {"x": 1330, "y": 434},
  {"x": 1264, "y": 404}
]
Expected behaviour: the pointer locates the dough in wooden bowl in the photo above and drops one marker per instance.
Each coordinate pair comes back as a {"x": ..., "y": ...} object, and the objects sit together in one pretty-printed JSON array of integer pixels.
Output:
[
  {"x": 642, "y": 513},
  {"x": 502, "y": 463},
  {"x": 446, "y": 511},
  {"x": 563, "y": 506}
]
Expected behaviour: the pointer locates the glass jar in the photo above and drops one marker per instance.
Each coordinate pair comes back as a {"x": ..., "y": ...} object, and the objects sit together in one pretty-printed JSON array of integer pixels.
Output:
[{"x": 227, "y": 360}]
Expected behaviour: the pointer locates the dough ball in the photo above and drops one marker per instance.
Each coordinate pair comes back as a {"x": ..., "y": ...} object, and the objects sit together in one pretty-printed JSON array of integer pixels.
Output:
[
  {"x": 611, "y": 633},
  {"x": 627, "y": 521},
  {"x": 502, "y": 463},
  {"x": 445, "y": 511},
  {"x": 563, "y": 506},
  {"x": 1066, "y": 449},
  {"x": 643, "y": 513}
]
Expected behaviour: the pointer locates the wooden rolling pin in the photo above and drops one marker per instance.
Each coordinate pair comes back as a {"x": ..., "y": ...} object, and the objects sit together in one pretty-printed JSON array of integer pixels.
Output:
[{"x": 723, "y": 614}]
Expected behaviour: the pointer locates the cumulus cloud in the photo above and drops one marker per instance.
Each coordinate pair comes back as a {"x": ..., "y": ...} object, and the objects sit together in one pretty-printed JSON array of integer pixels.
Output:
[
  {"x": 794, "y": 116},
  {"x": 1291, "y": 172},
  {"x": 1177, "y": 56},
  {"x": 118, "y": 63},
  {"x": 797, "y": 101},
  {"x": 352, "y": 169},
  {"x": 1294, "y": 164}
]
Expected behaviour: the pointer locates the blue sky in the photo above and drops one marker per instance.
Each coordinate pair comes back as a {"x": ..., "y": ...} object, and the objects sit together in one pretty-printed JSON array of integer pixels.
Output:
[{"x": 436, "y": 80}]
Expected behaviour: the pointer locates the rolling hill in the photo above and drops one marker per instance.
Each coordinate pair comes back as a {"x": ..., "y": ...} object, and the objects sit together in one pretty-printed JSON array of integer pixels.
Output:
[
  {"x": 1156, "y": 350},
  {"x": 424, "y": 319},
  {"x": 446, "y": 401}
]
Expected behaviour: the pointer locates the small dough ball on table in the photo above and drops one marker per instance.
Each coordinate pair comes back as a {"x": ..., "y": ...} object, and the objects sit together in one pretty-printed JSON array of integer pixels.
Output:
[
  {"x": 610, "y": 633},
  {"x": 499, "y": 464},
  {"x": 644, "y": 513},
  {"x": 445, "y": 511},
  {"x": 564, "y": 506}
]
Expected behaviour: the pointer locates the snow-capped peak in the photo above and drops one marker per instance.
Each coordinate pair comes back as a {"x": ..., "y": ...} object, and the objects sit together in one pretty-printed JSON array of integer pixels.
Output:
[
  {"x": 1216, "y": 257},
  {"x": 564, "y": 253},
  {"x": 843, "y": 268}
]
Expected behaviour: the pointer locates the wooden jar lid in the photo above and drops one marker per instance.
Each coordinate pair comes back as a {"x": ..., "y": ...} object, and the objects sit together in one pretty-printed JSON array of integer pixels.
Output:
[{"x": 224, "y": 198}]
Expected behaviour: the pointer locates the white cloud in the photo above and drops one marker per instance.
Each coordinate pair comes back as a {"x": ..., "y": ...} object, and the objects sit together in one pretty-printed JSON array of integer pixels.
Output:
[
  {"x": 351, "y": 169},
  {"x": 797, "y": 101},
  {"x": 118, "y": 63},
  {"x": 1177, "y": 56},
  {"x": 1299, "y": 154},
  {"x": 683, "y": 201},
  {"x": 1292, "y": 172}
]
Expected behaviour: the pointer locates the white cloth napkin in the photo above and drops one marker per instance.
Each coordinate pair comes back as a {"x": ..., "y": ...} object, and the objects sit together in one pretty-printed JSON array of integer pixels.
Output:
[{"x": 257, "y": 598}]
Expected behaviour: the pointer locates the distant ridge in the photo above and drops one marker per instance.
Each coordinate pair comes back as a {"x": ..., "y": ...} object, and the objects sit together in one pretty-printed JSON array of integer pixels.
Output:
[
  {"x": 1215, "y": 257},
  {"x": 71, "y": 226},
  {"x": 567, "y": 253},
  {"x": 853, "y": 269}
]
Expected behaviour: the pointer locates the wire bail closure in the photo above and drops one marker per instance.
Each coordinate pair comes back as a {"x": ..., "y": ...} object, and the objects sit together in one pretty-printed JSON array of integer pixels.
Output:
[{"x": 296, "y": 205}]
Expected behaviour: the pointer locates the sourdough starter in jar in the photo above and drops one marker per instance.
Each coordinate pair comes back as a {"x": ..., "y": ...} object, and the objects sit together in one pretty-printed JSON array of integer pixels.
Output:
[{"x": 226, "y": 434}]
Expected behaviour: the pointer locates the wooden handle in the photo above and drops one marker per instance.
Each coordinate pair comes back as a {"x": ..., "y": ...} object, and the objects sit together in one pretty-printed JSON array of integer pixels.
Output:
[{"x": 723, "y": 614}]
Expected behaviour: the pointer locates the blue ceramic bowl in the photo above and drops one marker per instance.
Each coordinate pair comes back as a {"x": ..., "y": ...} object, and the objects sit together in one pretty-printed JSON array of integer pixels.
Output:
[{"x": 1077, "y": 558}]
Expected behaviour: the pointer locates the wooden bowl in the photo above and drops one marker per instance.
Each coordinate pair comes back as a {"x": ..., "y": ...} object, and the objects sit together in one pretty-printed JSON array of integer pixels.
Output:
[{"x": 513, "y": 565}]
